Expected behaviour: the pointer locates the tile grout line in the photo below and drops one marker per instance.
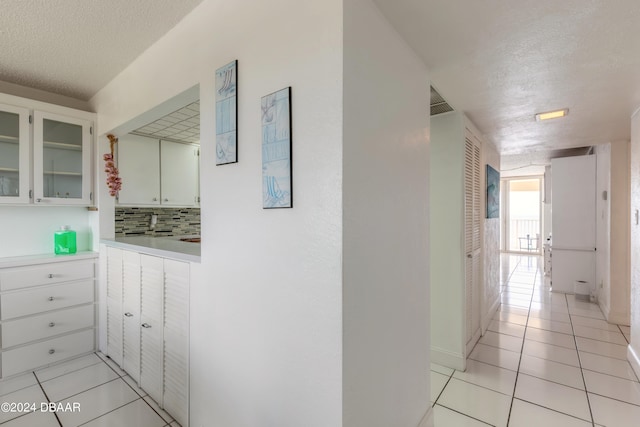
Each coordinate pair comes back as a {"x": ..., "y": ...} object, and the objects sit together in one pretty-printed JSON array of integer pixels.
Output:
[{"x": 55, "y": 414}]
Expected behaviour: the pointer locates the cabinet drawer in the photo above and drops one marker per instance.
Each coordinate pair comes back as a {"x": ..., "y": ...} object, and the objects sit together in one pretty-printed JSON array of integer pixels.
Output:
[
  {"x": 21, "y": 331},
  {"x": 43, "y": 353},
  {"x": 45, "y": 298},
  {"x": 21, "y": 277}
]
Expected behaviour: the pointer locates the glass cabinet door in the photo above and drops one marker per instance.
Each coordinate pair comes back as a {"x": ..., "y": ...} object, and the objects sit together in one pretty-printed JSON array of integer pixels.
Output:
[
  {"x": 14, "y": 154},
  {"x": 61, "y": 159}
]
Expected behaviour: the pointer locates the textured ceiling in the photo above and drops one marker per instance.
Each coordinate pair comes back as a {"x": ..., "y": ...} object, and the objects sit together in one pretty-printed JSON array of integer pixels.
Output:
[
  {"x": 501, "y": 61},
  {"x": 182, "y": 125},
  {"x": 75, "y": 47}
]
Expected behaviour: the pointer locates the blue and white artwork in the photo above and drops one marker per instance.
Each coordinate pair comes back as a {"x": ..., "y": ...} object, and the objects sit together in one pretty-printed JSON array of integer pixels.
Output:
[
  {"x": 276, "y": 150},
  {"x": 493, "y": 193},
  {"x": 227, "y": 114}
]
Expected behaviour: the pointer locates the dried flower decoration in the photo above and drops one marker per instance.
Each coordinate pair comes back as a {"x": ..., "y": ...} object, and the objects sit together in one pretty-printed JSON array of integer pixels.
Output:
[{"x": 114, "y": 182}]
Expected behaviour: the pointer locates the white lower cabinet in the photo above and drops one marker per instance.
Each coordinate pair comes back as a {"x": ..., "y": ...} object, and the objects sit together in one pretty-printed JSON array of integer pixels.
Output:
[
  {"x": 153, "y": 330},
  {"x": 47, "y": 311}
]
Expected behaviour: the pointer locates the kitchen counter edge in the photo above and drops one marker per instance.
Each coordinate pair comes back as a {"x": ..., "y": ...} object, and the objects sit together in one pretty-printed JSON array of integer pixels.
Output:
[{"x": 141, "y": 248}]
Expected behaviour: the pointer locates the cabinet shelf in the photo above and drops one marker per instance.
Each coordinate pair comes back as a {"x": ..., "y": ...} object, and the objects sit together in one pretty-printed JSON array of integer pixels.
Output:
[
  {"x": 63, "y": 173},
  {"x": 9, "y": 170},
  {"x": 62, "y": 146},
  {"x": 9, "y": 139}
]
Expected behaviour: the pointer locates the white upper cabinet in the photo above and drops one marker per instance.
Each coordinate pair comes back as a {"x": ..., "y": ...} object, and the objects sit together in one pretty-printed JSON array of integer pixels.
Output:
[
  {"x": 61, "y": 159},
  {"x": 14, "y": 154},
  {"x": 139, "y": 166},
  {"x": 179, "y": 174}
]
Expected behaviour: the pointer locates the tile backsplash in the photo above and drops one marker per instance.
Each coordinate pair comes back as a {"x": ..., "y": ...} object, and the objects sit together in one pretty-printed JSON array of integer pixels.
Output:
[{"x": 171, "y": 221}]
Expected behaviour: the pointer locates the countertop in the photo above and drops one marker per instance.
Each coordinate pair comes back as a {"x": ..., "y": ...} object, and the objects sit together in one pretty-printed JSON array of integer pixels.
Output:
[
  {"x": 20, "y": 261},
  {"x": 166, "y": 247}
]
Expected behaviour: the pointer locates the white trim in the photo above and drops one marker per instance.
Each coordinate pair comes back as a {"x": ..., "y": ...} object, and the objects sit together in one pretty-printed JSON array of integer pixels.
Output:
[
  {"x": 427, "y": 420},
  {"x": 633, "y": 359},
  {"x": 488, "y": 316},
  {"x": 618, "y": 318},
  {"x": 448, "y": 358}
]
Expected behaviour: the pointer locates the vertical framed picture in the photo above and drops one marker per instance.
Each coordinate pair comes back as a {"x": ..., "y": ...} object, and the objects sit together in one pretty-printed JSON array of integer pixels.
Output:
[
  {"x": 227, "y": 114},
  {"x": 277, "y": 182},
  {"x": 493, "y": 193}
]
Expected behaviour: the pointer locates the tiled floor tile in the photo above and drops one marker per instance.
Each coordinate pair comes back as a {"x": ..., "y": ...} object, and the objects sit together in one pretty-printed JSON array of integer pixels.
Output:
[
  {"x": 517, "y": 302},
  {"x": 496, "y": 356},
  {"x": 555, "y": 353},
  {"x": 511, "y": 318},
  {"x": 156, "y": 408},
  {"x": 555, "y": 308},
  {"x": 550, "y": 325},
  {"x": 66, "y": 367},
  {"x": 478, "y": 402},
  {"x": 135, "y": 414},
  {"x": 112, "y": 364},
  {"x": 593, "y": 323},
  {"x": 613, "y": 387},
  {"x": 441, "y": 369},
  {"x": 624, "y": 329},
  {"x": 552, "y": 371},
  {"x": 586, "y": 313},
  {"x": 445, "y": 417},
  {"x": 34, "y": 419},
  {"x": 438, "y": 381},
  {"x": 602, "y": 348},
  {"x": 513, "y": 309},
  {"x": 525, "y": 290},
  {"x": 17, "y": 383},
  {"x": 613, "y": 413},
  {"x": 599, "y": 334},
  {"x": 525, "y": 414},
  {"x": 134, "y": 386},
  {"x": 550, "y": 315},
  {"x": 78, "y": 381},
  {"x": 488, "y": 376},
  {"x": 507, "y": 342},
  {"x": 555, "y": 338},
  {"x": 553, "y": 396},
  {"x": 29, "y": 395},
  {"x": 607, "y": 365},
  {"x": 507, "y": 328},
  {"x": 98, "y": 401}
]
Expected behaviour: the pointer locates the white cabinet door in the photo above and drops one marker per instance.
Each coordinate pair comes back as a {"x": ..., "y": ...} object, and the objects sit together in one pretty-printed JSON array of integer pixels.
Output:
[
  {"x": 114, "y": 304},
  {"x": 179, "y": 174},
  {"x": 15, "y": 153},
  {"x": 151, "y": 317},
  {"x": 139, "y": 166},
  {"x": 131, "y": 313},
  {"x": 61, "y": 160},
  {"x": 176, "y": 340}
]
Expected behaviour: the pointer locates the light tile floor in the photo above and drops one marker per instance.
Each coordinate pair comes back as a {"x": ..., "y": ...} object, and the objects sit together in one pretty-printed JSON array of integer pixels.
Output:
[
  {"x": 106, "y": 395},
  {"x": 546, "y": 360}
]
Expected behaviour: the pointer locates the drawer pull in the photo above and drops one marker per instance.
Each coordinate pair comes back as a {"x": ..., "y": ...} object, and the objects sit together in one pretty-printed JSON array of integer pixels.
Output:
[
  {"x": 51, "y": 325},
  {"x": 146, "y": 325},
  {"x": 51, "y": 298},
  {"x": 50, "y": 276},
  {"x": 52, "y": 351},
  {"x": 128, "y": 314}
]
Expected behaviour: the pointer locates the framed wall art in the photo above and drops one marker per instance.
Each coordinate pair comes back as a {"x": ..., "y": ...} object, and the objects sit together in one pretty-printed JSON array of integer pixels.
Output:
[
  {"x": 277, "y": 182},
  {"x": 227, "y": 114},
  {"x": 493, "y": 193}
]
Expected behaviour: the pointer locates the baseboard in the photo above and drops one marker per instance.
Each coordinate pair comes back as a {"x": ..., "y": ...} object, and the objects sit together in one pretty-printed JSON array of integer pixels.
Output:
[
  {"x": 427, "y": 420},
  {"x": 448, "y": 358},
  {"x": 488, "y": 317},
  {"x": 634, "y": 360},
  {"x": 619, "y": 318}
]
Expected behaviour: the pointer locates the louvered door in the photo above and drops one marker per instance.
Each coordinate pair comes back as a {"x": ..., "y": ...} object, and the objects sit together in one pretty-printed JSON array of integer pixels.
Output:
[
  {"x": 472, "y": 223},
  {"x": 131, "y": 313},
  {"x": 114, "y": 304},
  {"x": 151, "y": 322},
  {"x": 176, "y": 340}
]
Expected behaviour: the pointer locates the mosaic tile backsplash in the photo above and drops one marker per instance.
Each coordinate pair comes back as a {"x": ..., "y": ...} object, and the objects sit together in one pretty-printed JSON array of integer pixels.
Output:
[{"x": 171, "y": 221}]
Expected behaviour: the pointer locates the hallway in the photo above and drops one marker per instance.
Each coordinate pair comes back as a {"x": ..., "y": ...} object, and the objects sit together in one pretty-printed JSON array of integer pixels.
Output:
[{"x": 546, "y": 360}]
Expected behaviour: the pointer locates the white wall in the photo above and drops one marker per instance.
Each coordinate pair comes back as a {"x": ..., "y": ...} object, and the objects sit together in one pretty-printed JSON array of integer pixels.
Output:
[
  {"x": 634, "y": 348},
  {"x": 546, "y": 206},
  {"x": 266, "y": 317},
  {"x": 490, "y": 242},
  {"x": 603, "y": 226},
  {"x": 28, "y": 230},
  {"x": 385, "y": 219},
  {"x": 446, "y": 239}
]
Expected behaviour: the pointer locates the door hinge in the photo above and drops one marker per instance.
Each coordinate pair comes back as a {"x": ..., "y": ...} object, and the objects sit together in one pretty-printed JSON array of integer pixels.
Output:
[
  {"x": 91, "y": 196},
  {"x": 31, "y": 194},
  {"x": 30, "y": 119},
  {"x": 90, "y": 130}
]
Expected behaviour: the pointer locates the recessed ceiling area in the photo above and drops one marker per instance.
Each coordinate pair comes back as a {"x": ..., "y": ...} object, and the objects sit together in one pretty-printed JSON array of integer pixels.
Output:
[
  {"x": 182, "y": 125},
  {"x": 75, "y": 47}
]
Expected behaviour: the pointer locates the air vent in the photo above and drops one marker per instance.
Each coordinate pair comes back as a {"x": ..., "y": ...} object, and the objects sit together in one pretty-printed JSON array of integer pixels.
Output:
[{"x": 438, "y": 104}]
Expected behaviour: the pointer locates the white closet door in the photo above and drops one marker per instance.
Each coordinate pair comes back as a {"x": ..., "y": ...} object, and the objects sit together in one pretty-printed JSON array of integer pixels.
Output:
[
  {"x": 131, "y": 313},
  {"x": 151, "y": 318},
  {"x": 114, "y": 304},
  {"x": 176, "y": 340},
  {"x": 472, "y": 218}
]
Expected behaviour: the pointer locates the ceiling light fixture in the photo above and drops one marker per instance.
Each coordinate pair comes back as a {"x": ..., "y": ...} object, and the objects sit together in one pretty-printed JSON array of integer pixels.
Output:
[{"x": 551, "y": 115}]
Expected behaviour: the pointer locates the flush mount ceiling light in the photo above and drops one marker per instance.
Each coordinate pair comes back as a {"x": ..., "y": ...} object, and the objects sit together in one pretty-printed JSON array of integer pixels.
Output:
[{"x": 551, "y": 115}]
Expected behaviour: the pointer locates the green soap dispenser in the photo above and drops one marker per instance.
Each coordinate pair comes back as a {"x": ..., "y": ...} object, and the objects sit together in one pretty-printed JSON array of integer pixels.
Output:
[{"x": 65, "y": 240}]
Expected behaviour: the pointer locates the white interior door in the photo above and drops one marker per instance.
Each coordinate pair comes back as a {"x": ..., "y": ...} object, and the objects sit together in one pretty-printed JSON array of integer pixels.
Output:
[
  {"x": 151, "y": 317},
  {"x": 114, "y": 304},
  {"x": 131, "y": 313}
]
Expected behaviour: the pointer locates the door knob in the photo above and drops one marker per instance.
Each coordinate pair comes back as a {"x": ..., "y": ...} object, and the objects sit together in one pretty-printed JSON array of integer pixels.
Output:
[
  {"x": 52, "y": 351},
  {"x": 146, "y": 325},
  {"x": 128, "y": 314},
  {"x": 51, "y": 298},
  {"x": 51, "y": 325}
]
